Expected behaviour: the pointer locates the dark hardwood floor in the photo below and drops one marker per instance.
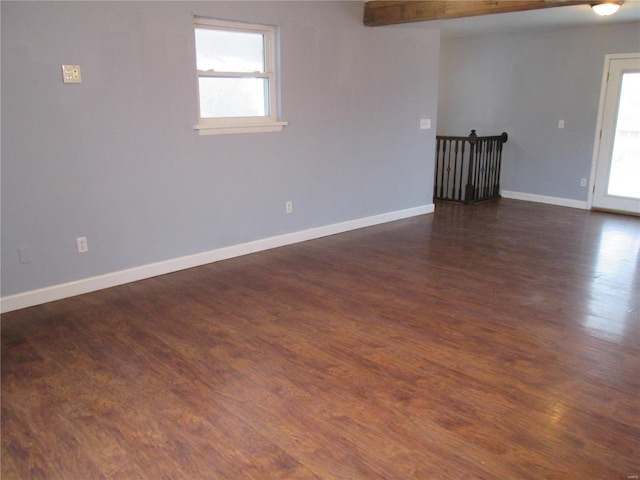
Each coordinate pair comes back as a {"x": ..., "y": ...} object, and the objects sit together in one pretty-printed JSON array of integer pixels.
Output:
[{"x": 495, "y": 341}]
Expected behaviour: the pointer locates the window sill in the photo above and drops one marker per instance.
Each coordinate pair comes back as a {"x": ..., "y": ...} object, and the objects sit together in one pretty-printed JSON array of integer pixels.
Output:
[{"x": 240, "y": 128}]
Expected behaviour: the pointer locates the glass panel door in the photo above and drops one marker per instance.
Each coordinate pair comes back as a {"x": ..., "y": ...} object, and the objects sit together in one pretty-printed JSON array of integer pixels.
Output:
[
  {"x": 624, "y": 177},
  {"x": 617, "y": 178}
]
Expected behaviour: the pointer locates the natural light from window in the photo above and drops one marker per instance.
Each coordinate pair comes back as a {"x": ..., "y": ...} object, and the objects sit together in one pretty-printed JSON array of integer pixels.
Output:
[
  {"x": 624, "y": 179},
  {"x": 609, "y": 315},
  {"x": 231, "y": 53},
  {"x": 236, "y": 64}
]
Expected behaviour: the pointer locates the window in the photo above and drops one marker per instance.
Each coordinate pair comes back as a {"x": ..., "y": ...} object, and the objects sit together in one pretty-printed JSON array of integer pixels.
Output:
[{"x": 236, "y": 68}]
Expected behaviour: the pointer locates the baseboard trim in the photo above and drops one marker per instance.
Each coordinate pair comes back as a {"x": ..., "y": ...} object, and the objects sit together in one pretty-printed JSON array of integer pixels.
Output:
[
  {"x": 530, "y": 197},
  {"x": 92, "y": 284}
]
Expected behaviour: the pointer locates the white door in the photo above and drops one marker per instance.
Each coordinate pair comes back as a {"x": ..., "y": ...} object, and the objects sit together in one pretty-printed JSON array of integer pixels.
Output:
[{"x": 617, "y": 163}]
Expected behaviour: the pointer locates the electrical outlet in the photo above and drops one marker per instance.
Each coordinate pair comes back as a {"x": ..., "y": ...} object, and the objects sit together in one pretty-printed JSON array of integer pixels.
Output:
[
  {"x": 82, "y": 244},
  {"x": 560, "y": 123},
  {"x": 289, "y": 207},
  {"x": 583, "y": 182},
  {"x": 71, "y": 74}
]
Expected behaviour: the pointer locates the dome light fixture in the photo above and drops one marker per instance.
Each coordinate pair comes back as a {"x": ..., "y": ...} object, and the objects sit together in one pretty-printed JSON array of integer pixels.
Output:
[{"x": 605, "y": 9}]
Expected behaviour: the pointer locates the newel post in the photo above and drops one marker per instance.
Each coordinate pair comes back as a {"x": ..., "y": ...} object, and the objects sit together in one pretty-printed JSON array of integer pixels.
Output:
[{"x": 470, "y": 194}]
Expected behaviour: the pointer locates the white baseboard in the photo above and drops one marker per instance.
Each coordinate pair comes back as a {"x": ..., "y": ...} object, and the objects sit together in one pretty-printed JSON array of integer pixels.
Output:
[
  {"x": 65, "y": 290},
  {"x": 530, "y": 197}
]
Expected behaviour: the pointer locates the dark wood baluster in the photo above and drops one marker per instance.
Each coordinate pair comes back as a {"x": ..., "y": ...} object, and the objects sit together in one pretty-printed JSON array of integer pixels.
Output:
[
  {"x": 487, "y": 169},
  {"x": 455, "y": 170},
  {"x": 503, "y": 140},
  {"x": 477, "y": 191},
  {"x": 479, "y": 168},
  {"x": 441, "y": 164},
  {"x": 448, "y": 185},
  {"x": 445, "y": 153},
  {"x": 459, "y": 197},
  {"x": 494, "y": 169},
  {"x": 435, "y": 173}
]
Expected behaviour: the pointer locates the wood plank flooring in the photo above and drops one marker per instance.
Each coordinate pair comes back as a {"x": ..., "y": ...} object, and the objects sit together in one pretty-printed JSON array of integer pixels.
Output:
[{"x": 495, "y": 341}]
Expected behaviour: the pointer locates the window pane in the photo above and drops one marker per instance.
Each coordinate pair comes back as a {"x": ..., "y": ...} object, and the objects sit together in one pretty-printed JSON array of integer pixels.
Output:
[
  {"x": 233, "y": 97},
  {"x": 624, "y": 179},
  {"x": 223, "y": 51}
]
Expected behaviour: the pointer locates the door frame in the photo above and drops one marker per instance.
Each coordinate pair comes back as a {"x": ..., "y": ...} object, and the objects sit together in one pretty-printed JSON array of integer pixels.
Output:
[{"x": 601, "y": 106}]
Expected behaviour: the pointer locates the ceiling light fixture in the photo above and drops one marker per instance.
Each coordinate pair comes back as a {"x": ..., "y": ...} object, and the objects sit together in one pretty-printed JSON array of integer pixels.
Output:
[{"x": 607, "y": 8}]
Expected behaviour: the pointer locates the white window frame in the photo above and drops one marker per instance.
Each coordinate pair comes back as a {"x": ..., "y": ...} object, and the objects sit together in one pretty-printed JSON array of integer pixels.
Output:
[{"x": 270, "y": 123}]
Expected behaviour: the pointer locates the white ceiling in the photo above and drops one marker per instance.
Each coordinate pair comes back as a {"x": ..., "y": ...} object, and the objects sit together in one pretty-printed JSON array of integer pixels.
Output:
[{"x": 549, "y": 17}]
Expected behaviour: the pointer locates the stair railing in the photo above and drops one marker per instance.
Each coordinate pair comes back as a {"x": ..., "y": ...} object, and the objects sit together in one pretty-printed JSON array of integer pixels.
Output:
[{"x": 467, "y": 169}]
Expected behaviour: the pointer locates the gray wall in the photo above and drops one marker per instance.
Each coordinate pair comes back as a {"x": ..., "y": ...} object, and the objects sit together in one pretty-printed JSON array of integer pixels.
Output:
[
  {"x": 524, "y": 83},
  {"x": 116, "y": 158}
]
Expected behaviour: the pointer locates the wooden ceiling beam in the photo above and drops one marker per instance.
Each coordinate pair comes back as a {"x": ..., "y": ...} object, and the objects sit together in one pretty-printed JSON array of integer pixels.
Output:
[{"x": 383, "y": 12}]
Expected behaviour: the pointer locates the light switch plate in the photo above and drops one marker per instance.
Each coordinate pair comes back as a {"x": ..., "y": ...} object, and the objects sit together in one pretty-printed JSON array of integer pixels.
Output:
[
  {"x": 425, "y": 123},
  {"x": 71, "y": 74}
]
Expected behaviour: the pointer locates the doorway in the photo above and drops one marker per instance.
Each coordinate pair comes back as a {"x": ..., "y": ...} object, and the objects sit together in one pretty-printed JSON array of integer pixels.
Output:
[{"x": 616, "y": 175}]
